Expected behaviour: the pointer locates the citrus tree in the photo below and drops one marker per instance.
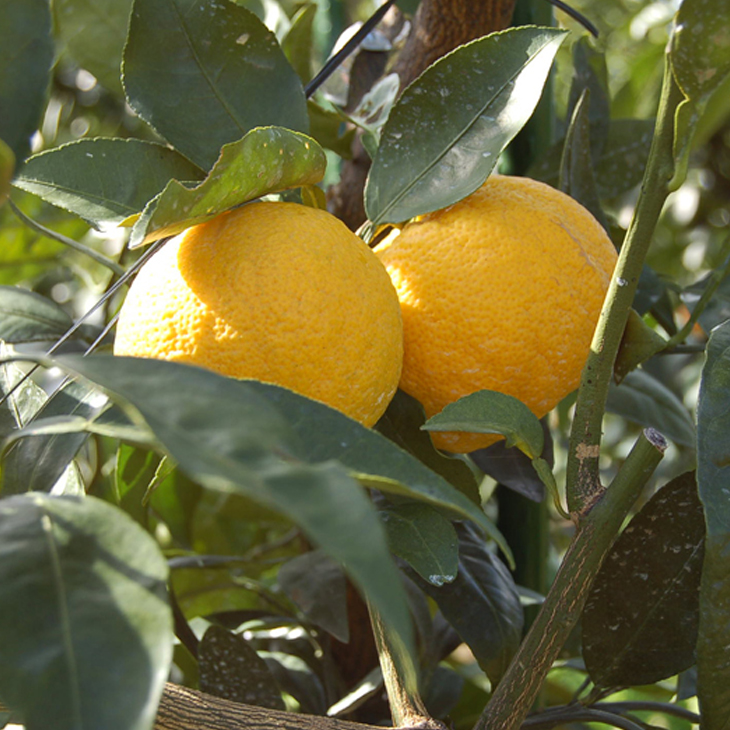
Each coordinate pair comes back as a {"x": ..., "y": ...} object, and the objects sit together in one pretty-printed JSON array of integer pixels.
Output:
[{"x": 224, "y": 514}]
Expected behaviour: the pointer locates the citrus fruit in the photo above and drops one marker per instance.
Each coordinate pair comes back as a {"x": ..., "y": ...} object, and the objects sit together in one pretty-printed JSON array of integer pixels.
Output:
[
  {"x": 500, "y": 291},
  {"x": 276, "y": 292}
]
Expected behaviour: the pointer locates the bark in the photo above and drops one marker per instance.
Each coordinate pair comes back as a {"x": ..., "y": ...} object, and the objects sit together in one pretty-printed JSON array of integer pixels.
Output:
[{"x": 438, "y": 28}]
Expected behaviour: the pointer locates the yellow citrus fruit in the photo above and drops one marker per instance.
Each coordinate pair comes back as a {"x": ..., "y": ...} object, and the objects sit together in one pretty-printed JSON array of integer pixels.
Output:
[
  {"x": 276, "y": 292},
  {"x": 500, "y": 291}
]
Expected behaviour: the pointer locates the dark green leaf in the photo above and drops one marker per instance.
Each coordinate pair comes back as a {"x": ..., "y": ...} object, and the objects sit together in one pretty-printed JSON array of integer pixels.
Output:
[
  {"x": 297, "y": 44},
  {"x": 93, "y": 34},
  {"x": 640, "y": 619},
  {"x": 713, "y": 477},
  {"x": 36, "y": 463},
  {"x": 444, "y": 135},
  {"x": 373, "y": 458},
  {"x": 227, "y": 437},
  {"x": 717, "y": 310},
  {"x": 104, "y": 180},
  {"x": 20, "y": 401},
  {"x": 643, "y": 399},
  {"x": 7, "y": 167},
  {"x": 230, "y": 668},
  {"x": 266, "y": 160},
  {"x": 297, "y": 678},
  {"x": 576, "y": 167},
  {"x": 26, "y": 57},
  {"x": 423, "y": 538},
  {"x": 328, "y": 128},
  {"x": 402, "y": 423},
  {"x": 204, "y": 74},
  {"x": 85, "y": 588},
  {"x": 618, "y": 168},
  {"x": 317, "y": 585},
  {"x": 29, "y": 317},
  {"x": 481, "y": 604},
  {"x": 638, "y": 343},
  {"x": 135, "y": 470},
  {"x": 488, "y": 411}
]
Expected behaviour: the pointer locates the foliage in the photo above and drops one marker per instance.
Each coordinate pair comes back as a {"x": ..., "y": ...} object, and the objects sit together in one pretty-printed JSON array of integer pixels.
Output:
[{"x": 138, "y": 496}]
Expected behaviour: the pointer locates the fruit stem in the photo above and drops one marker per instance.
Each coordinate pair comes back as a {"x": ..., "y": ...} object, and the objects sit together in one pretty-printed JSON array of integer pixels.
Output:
[
  {"x": 563, "y": 604},
  {"x": 583, "y": 485}
]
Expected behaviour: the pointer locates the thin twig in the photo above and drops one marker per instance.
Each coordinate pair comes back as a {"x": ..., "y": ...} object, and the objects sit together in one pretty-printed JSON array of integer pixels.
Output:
[{"x": 573, "y": 13}]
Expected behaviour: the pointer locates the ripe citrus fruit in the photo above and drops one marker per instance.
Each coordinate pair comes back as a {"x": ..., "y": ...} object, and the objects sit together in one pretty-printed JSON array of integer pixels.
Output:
[
  {"x": 276, "y": 292},
  {"x": 500, "y": 291}
]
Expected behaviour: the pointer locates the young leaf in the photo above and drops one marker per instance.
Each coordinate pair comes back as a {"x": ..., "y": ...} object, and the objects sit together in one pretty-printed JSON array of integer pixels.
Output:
[
  {"x": 228, "y": 438},
  {"x": 713, "y": 477},
  {"x": 444, "y": 135},
  {"x": 425, "y": 539},
  {"x": 85, "y": 588},
  {"x": 317, "y": 585},
  {"x": 93, "y": 34},
  {"x": 29, "y": 317},
  {"x": 26, "y": 57},
  {"x": 481, "y": 604},
  {"x": 640, "y": 619},
  {"x": 643, "y": 399},
  {"x": 204, "y": 74},
  {"x": 230, "y": 668},
  {"x": 104, "y": 180},
  {"x": 266, "y": 160},
  {"x": 488, "y": 411}
]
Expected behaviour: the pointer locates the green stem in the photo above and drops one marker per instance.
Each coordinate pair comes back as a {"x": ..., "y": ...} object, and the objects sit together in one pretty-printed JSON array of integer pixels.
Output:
[
  {"x": 594, "y": 537},
  {"x": 48, "y": 233},
  {"x": 583, "y": 485}
]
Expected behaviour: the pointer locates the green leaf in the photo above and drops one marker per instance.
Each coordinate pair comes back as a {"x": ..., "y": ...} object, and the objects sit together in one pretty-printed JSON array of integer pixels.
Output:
[
  {"x": 576, "y": 166},
  {"x": 26, "y": 57},
  {"x": 7, "y": 167},
  {"x": 371, "y": 457},
  {"x": 713, "y": 477},
  {"x": 717, "y": 310},
  {"x": 488, "y": 411},
  {"x": 317, "y": 586},
  {"x": 231, "y": 668},
  {"x": 638, "y": 343},
  {"x": 643, "y": 399},
  {"x": 425, "y": 539},
  {"x": 21, "y": 400},
  {"x": 266, "y": 160},
  {"x": 86, "y": 589},
  {"x": 482, "y": 604},
  {"x": 103, "y": 180},
  {"x": 204, "y": 74},
  {"x": 227, "y": 437},
  {"x": 640, "y": 620},
  {"x": 699, "y": 52},
  {"x": 29, "y": 317},
  {"x": 444, "y": 135},
  {"x": 93, "y": 33},
  {"x": 36, "y": 463},
  {"x": 298, "y": 42}
]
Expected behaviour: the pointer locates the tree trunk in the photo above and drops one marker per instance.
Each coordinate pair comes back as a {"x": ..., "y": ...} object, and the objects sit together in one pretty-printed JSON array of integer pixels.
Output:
[{"x": 438, "y": 28}]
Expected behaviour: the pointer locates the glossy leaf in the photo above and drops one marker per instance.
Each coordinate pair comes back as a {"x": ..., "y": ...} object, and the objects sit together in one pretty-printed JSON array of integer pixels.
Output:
[
  {"x": 93, "y": 34},
  {"x": 230, "y": 668},
  {"x": 204, "y": 74},
  {"x": 425, "y": 539},
  {"x": 640, "y": 619},
  {"x": 444, "y": 135},
  {"x": 317, "y": 585},
  {"x": 26, "y": 57},
  {"x": 85, "y": 588},
  {"x": 713, "y": 477},
  {"x": 266, "y": 160},
  {"x": 372, "y": 458},
  {"x": 643, "y": 399},
  {"x": 29, "y": 317},
  {"x": 402, "y": 422},
  {"x": 36, "y": 463},
  {"x": 104, "y": 180},
  {"x": 21, "y": 396},
  {"x": 488, "y": 411},
  {"x": 227, "y": 437},
  {"x": 481, "y": 604}
]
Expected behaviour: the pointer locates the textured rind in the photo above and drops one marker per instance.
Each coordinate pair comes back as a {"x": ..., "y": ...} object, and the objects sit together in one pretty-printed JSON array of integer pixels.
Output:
[
  {"x": 277, "y": 292},
  {"x": 500, "y": 291}
]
